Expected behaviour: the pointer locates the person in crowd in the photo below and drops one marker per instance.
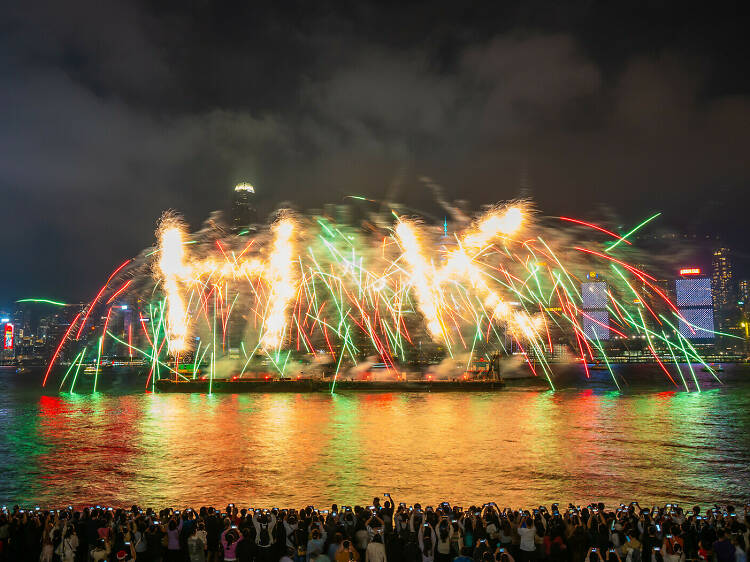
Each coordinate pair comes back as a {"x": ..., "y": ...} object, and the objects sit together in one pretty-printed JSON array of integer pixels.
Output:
[
  {"x": 347, "y": 552},
  {"x": 376, "y": 550},
  {"x": 527, "y": 531},
  {"x": 69, "y": 546},
  {"x": 230, "y": 538},
  {"x": 723, "y": 548},
  {"x": 426, "y": 539},
  {"x": 196, "y": 544},
  {"x": 317, "y": 540},
  {"x": 265, "y": 524},
  {"x": 445, "y": 533}
]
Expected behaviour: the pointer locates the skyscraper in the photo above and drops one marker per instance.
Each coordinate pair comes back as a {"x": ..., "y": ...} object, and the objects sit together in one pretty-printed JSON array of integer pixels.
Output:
[
  {"x": 722, "y": 287},
  {"x": 744, "y": 287},
  {"x": 695, "y": 303},
  {"x": 243, "y": 207},
  {"x": 595, "y": 314},
  {"x": 722, "y": 278}
]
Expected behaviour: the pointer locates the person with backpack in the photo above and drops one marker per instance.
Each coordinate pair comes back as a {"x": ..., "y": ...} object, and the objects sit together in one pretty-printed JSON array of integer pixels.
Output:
[
  {"x": 69, "y": 544},
  {"x": 264, "y": 523},
  {"x": 139, "y": 539}
]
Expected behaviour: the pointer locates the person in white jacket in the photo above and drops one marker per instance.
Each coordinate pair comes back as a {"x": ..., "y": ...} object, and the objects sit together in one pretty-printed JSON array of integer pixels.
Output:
[{"x": 376, "y": 550}]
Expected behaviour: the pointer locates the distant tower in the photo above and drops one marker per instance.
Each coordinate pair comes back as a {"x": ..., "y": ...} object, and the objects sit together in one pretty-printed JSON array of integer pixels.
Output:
[
  {"x": 722, "y": 288},
  {"x": 243, "y": 207},
  {"x": 595, "y": 314},
  {"x": 695, "y": 302},
  {"x": 722, "y": 277},
  {"x": 744, "y": 287}
]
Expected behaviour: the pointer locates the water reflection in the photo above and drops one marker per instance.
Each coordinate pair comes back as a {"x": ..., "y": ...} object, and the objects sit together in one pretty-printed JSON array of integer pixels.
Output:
[{"x": 517, "y": 447}]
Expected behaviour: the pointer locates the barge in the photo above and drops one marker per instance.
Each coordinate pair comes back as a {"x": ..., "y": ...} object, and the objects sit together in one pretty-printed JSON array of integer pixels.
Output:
[{"x": 237, "y": 385}]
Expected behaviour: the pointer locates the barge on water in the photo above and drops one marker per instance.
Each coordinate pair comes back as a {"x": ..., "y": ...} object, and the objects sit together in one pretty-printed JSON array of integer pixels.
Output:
[{"x": 237, "y": 385}]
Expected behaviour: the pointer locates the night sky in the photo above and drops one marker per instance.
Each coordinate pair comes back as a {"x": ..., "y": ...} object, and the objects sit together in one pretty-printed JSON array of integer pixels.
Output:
[{"x": 115, "y": 111}]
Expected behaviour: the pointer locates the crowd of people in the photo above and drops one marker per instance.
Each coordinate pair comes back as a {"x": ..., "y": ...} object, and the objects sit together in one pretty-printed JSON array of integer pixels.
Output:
[{"x": 385, "y": 531}]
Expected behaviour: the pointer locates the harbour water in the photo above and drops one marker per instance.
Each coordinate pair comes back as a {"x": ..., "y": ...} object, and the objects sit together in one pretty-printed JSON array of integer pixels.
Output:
[{"x": 523, "y": 445}]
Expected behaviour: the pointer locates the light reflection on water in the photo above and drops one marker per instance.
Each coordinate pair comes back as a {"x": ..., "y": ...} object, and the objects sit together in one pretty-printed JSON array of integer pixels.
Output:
[{"x": 517, "y": 447}]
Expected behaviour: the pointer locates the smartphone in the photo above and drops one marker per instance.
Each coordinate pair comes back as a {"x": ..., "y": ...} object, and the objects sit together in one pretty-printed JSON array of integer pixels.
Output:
[
  {"x": 658, "y": 528},
  {"x": 127, "y": 543},
  {"x": 657, "y": 549},
  {"x": 594, "y": 550},
  {"x": 612, "y": 550},
  {"x": 501, "y": 551},
  {"x": 402, "y": 504}
]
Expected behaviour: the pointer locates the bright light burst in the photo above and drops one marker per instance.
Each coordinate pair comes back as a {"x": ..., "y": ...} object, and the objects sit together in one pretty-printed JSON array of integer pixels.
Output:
[{"x": 508, "y": 283}]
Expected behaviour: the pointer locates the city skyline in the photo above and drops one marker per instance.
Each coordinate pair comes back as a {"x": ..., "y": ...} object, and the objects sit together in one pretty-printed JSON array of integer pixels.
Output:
[{"x": 605, "y": 112}]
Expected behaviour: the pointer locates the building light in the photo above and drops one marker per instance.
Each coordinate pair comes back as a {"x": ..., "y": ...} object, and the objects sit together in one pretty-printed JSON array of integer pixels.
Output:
[
  {"x": 8, "y": 337},
  {"x": 124, "y": 307},
  {"x": 244, "y": 187},
  {"x": 690, "y": 271}
]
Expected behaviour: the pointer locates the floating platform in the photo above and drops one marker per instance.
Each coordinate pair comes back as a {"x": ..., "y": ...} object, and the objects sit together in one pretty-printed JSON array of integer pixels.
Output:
[{"x": 308, "y": 385}]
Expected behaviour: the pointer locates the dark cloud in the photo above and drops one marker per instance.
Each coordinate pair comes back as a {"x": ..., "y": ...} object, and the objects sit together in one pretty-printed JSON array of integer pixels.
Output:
[{"x": 115, "y": 111}]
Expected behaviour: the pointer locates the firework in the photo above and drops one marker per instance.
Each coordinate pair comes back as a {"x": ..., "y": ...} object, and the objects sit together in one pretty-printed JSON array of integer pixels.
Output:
[{"x": 401, "y": 293}]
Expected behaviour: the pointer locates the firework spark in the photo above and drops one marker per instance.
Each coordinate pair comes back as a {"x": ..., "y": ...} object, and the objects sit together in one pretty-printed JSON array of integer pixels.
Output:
[{"x": 507, "y": 283}]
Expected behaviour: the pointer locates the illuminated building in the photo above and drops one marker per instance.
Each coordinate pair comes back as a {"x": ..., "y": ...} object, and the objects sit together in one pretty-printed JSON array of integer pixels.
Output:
[
  {"x": 243, "y": 207},
  {"x": 722, "y": 277},
  {"x": 7, "y": 332},
  {"x": 723, "y": 290},
  {"x": 744, "y": 287},
  {"x": 695, "y": 302},
  {"x": 595, "y": 314}
]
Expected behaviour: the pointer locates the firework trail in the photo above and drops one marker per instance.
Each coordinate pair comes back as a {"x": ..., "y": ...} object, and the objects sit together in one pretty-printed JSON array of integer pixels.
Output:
[{"x": 399, "y": 292}]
